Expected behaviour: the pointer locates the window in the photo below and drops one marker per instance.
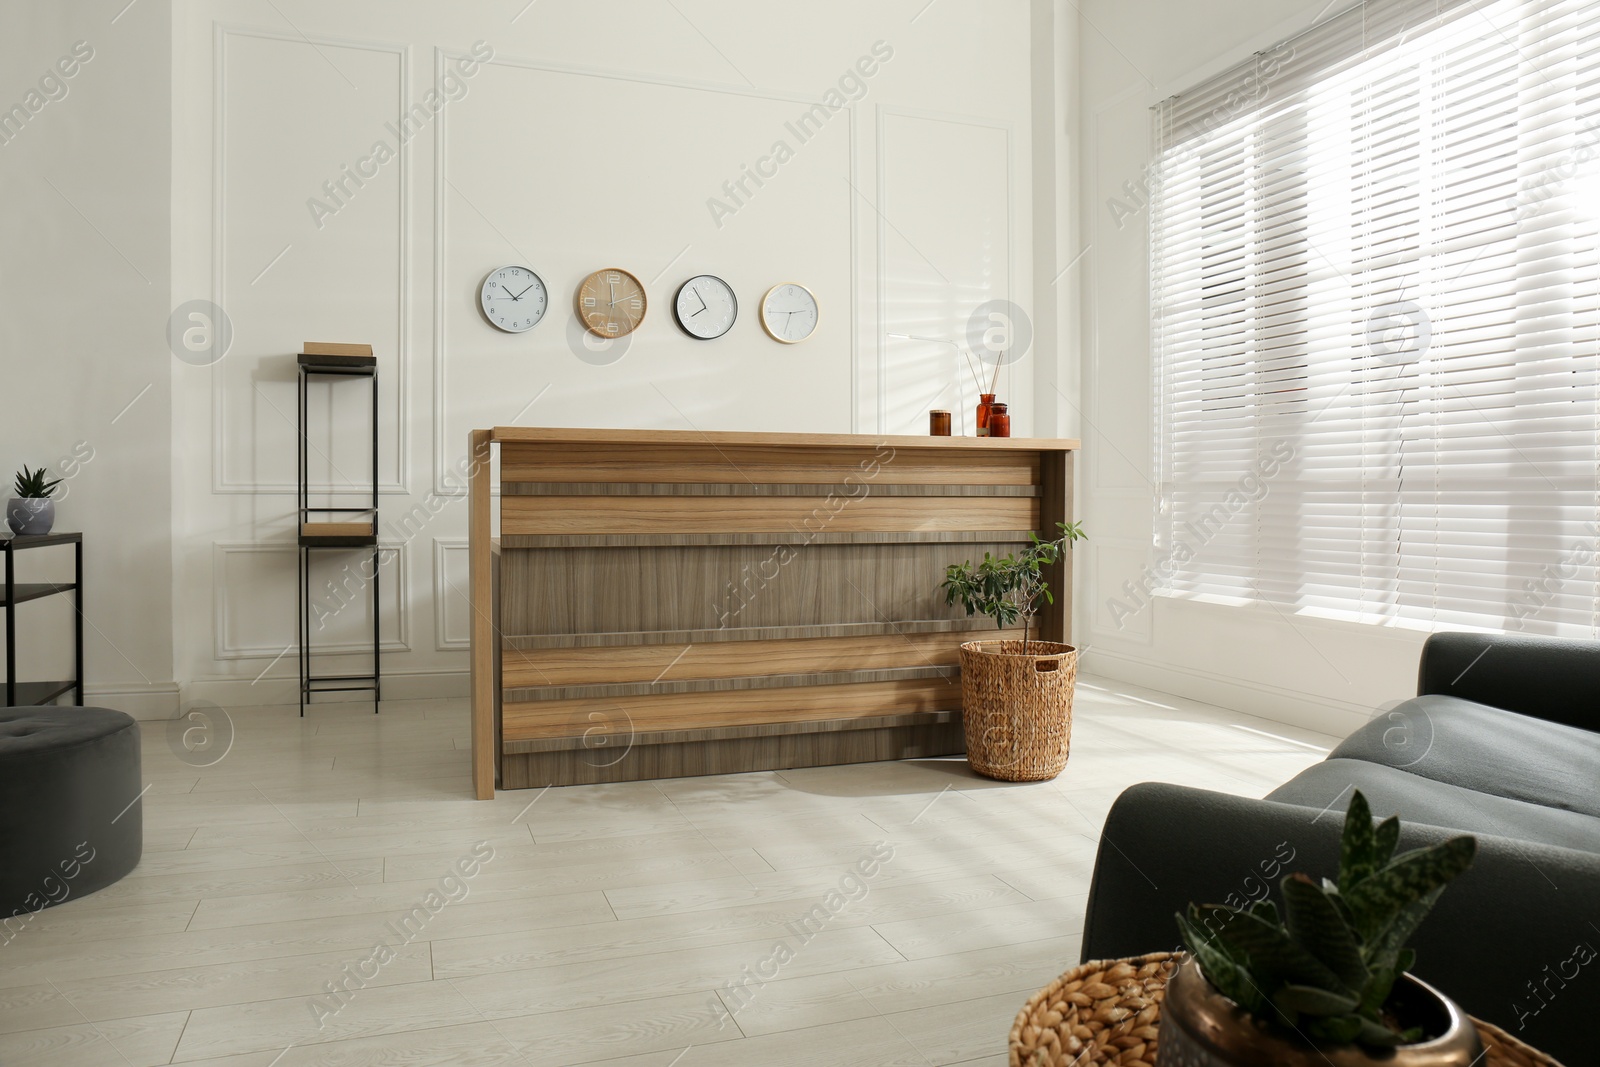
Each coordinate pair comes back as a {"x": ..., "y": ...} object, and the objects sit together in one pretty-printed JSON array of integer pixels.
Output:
[{"x": 1375, "y": 256}]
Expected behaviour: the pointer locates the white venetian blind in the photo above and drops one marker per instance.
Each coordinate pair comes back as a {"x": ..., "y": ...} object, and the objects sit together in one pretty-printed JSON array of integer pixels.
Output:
[{"x": 1375, "y": 256}]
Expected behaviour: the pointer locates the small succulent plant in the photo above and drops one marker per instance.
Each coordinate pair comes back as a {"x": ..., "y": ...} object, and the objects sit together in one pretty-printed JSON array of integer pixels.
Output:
[
  {"x": 1327, "y": 969},
  {"x": 32, "y": 484}
]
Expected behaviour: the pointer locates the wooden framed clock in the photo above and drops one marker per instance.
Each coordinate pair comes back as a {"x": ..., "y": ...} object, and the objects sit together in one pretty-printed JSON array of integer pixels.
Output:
[
  {"x": 611, "y": 303},
  {"x": 789, "y": 313}
]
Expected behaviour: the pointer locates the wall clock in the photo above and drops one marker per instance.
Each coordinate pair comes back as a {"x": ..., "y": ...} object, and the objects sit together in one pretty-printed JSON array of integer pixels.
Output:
[
  {"x": 705, "y": 307},
  {"x": 789, "y": 313},
  {"x": 513, "y": 298},
  {"x": 611, "y": 303}
]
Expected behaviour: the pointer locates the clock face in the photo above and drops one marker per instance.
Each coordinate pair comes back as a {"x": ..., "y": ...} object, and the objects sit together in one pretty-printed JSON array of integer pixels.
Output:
[
  {"x": 514, "y": 299},
  {"x": 789, "y": 313},
  {"x": 706, "y": 307},
  {"x": 611, "y": 303}
]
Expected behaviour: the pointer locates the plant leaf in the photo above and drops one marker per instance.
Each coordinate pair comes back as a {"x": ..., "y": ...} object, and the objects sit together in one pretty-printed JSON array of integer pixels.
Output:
[
  {"x": 1230, "y": 979},
  {"x": 1411, "y": 878},
  {"x": 1266, "y": 909},
  {"x": 1375, "y": 1033},
  {"x": 1309, "y": 1000},
  {"x": 1384, "y": 949},
  {"x": 1335, "y": 1029},
  {"x": 1315, "y": 922},
  {"x": 1357, "y": 850},
  {"x": 1268, "y": 952},
  {"x": 1384, "y": 840}
]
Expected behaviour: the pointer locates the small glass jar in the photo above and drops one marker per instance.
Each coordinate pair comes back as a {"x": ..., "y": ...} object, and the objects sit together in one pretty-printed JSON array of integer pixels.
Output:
[
  {"x": 938, "y": 424},
  {"x": 999, "y": 421},
  {"x": 985, "y": 402}
]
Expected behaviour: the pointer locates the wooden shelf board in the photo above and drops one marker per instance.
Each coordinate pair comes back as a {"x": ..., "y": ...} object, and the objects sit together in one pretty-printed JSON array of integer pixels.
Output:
[
  {"x": 338, "y": 534},
  {"x": 34, "y": 590},
  {"x": 576, "y": 435}
]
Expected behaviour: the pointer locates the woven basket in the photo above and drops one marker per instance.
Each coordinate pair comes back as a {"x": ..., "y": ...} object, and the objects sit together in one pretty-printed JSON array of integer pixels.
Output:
[
  {"x": 1016, "y": 709},
  {"x": 1109, "y": 1012}
]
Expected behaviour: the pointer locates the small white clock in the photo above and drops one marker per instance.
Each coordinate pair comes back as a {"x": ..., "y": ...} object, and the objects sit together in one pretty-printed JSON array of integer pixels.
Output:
[
  {"x": 789, "y": 313},
  {"x": 705, "y": 307},
  {"x": 514, "y": 299}
]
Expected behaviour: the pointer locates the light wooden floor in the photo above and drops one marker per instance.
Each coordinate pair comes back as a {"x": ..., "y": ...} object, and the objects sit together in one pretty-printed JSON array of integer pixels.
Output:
[{"x": 607, "y": 918}]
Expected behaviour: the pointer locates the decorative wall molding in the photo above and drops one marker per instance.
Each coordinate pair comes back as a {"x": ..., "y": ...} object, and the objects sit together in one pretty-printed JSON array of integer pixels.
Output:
[
  {"x": 443, "y": 590},
  {"x": 441, "y": 184},
  {"x": 392, "y": 565},
  {"x": 219, "y": 193},
  {"x": 884, "y": 113}
]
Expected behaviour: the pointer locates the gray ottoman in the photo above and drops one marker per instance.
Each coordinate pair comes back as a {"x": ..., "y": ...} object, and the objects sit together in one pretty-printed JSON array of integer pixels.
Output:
[{"x": 70, "y": 817}]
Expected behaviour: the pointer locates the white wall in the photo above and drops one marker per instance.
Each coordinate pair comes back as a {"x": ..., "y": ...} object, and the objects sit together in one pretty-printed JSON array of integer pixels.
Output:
[
  {"x": 594, "y": 138},
  {"x": 84, "y": 366},
  {"x": 1321, "y": 674}
]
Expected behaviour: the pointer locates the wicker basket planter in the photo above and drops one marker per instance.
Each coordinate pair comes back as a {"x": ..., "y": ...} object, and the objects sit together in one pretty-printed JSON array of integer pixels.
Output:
[
  {"x": 1109, "y": 1012},
  {"x": 1016, "y": 709}
]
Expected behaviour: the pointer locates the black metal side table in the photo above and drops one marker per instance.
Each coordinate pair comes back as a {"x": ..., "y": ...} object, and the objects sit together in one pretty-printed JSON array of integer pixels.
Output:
[{"x": 27, "y": 694}]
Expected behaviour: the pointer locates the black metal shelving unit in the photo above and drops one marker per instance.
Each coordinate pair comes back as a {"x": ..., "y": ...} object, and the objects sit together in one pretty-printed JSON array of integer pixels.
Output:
[
  {"x": 336, "y": 528},
  {"x": 20, "y": 694}
]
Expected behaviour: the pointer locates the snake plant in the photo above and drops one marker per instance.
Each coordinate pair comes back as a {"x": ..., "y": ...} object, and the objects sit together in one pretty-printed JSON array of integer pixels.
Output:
[
  {"x": 32, "y": 484},
  {"x": 1327, "y": 968}
]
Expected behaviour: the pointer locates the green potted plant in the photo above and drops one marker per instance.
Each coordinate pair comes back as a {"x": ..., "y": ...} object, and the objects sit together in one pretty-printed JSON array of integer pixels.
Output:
[
  {"x": 1016, "y": 696},
  {"x": 1327, "y": 983},
  {"x": 31, "y": 511}
]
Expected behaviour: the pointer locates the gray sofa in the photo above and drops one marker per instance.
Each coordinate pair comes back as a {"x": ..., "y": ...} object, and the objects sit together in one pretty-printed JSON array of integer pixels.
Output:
[{"x": 1502, "y": 741}]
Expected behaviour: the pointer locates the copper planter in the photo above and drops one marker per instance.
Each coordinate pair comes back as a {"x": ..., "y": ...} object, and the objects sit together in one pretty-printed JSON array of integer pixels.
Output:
[{"x": 1202, "y": 1028}]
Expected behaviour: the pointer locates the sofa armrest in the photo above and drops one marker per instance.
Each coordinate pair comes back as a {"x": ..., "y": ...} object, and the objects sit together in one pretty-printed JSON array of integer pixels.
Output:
[
  {"x": 1522, "y": 920},
  {"x": 1546, "y": 677}
]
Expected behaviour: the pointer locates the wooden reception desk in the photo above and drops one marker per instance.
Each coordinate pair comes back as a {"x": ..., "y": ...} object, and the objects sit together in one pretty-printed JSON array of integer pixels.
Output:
[{"x": 662, "y": 603}]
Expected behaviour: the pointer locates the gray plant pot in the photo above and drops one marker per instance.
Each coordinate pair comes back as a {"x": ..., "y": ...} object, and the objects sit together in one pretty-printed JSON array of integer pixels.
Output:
[{"x": 30, "y": 516}]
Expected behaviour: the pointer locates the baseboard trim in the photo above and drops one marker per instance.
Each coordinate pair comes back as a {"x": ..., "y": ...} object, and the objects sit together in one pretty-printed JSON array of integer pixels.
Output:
[
  {"x": 143, "y": 700},
  {"x": 397, "y": 685},
  {"x": 1288, "y": 706}
]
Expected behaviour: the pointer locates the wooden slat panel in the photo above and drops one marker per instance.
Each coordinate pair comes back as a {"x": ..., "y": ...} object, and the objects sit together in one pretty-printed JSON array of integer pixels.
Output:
[
  {"x": 622, "y": 515},
  {"x": 727, "y": 659},
  {"x": 748, "y": 730},
  {"x": 620, "y": 717},
  {"x": 614, "y": 590},
  {"x": 676, "y": 461},
  {"x": 756, "y": 489},
  {"x": 795, "y": 745},
  {"x": 1055, "y": 506},
  {"x": 970, "y": 628},
  {"x": 481, "y": 581}
]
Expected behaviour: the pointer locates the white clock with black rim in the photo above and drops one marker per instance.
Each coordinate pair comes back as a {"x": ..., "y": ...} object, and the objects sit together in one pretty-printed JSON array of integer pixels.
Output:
[
  {"x": 514, "y": 299},
  {"x": 705, "y": 307}
]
